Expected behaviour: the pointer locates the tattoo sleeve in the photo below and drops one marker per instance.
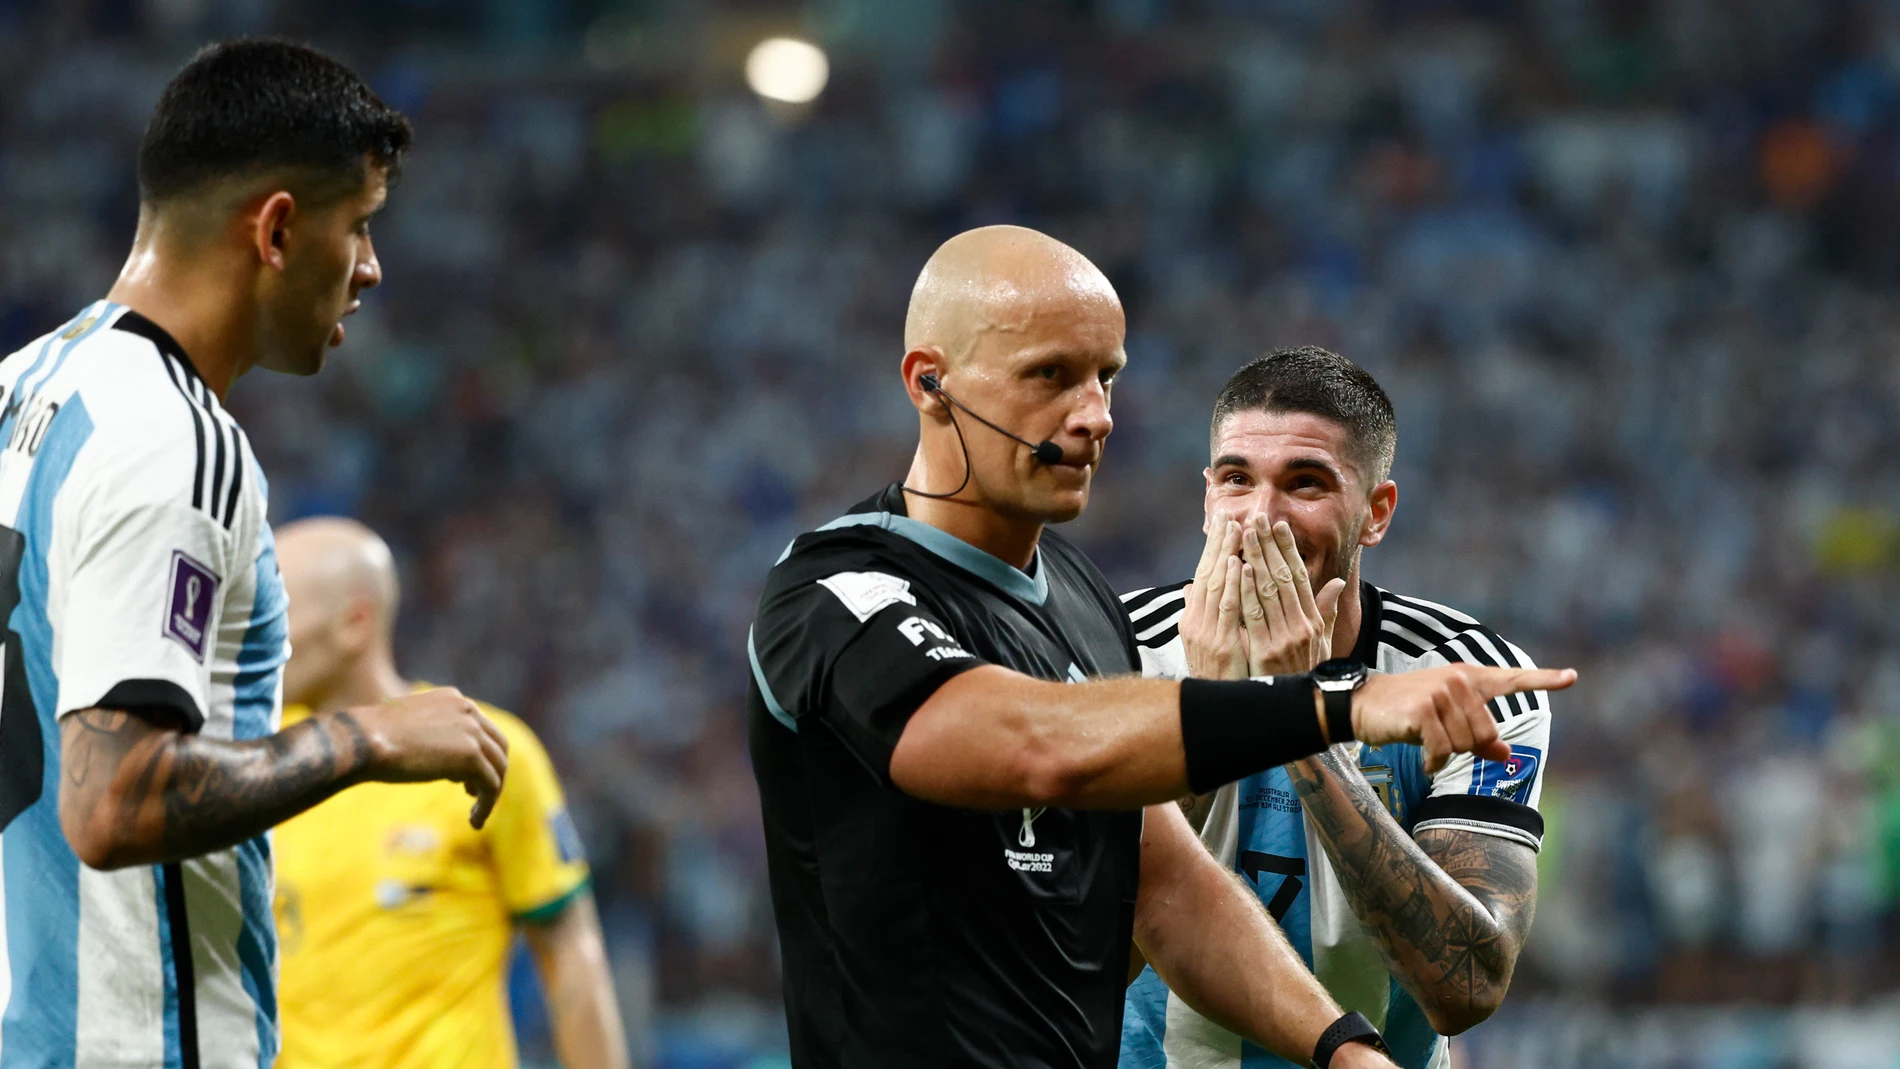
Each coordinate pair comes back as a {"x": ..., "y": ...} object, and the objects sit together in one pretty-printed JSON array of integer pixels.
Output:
[
  {"x": 1448, "y": 912},
  {"x": 156, "y": 794}
]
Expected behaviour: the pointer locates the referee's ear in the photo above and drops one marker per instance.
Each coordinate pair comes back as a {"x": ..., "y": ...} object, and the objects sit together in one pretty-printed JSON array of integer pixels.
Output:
[
  {"x": 918, "y": 363},
  {"x": 1381, "y": 503}
]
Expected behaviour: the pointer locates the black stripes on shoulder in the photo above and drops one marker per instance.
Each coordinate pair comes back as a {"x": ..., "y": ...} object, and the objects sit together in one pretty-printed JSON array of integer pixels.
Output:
[
  {"x": 220, "y": 444},
  {"x": 1417, "y": 627},
  {"x": 198, "y": 425},
  {"x": 1155, "y": 612},
  {"x": 217, "y": 495}
]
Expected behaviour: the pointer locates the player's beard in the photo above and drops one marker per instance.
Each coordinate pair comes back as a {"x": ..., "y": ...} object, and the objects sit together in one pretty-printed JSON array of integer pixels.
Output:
[{"x": 1339, "y": 561}]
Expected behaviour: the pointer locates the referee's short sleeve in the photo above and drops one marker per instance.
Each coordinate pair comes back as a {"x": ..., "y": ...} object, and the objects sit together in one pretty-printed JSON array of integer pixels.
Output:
[{"x": 858, "y": 648}]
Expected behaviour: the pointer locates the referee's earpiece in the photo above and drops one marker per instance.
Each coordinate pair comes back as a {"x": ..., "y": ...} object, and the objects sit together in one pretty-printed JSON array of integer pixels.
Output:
[{"x": 1045, "y": 451}]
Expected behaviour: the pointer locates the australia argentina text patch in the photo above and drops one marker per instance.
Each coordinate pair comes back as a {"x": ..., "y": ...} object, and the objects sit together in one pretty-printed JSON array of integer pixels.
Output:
[
  {"x": 188, "y": 611},
  {"x": 864, "y": 593}
]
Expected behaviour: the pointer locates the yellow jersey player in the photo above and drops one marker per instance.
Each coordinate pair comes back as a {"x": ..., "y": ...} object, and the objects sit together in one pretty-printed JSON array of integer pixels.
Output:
[{"x": 396, "y": 916}]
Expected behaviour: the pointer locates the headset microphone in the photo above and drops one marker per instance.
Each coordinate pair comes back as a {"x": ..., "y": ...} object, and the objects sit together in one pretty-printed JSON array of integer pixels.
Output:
[{"x": 1045, "y": 451}]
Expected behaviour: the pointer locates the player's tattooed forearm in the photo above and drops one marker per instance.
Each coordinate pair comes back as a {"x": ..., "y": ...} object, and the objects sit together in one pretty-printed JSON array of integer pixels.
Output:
[
  {"x": 1447, "y": 912},
  {"x": 185, "y": 794},
  {"x": 102, "y": 740},
  {"x": 223, "y": 793}
]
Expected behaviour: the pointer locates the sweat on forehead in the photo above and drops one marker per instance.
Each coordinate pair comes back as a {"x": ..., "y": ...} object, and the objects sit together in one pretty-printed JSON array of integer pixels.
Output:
[{"x": 998, "y": 278}]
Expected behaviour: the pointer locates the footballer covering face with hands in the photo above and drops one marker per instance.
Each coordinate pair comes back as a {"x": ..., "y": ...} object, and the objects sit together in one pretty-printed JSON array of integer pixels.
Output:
[
  {"x": 1405, "y": 881},
  {"x": 968, "y": 794}
]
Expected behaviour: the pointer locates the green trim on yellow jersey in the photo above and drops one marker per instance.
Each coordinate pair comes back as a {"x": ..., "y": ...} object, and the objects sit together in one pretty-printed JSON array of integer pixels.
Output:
[{"x": 545, "y": 914}]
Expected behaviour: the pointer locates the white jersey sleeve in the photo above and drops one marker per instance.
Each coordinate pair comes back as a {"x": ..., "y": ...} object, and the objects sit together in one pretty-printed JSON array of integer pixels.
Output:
[
  {"x": 1490, "y": 797},
  {"x": 142, "y": 569}
]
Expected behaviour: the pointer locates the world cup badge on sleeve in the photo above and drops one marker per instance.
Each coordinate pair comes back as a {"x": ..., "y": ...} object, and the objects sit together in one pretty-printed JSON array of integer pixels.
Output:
[{"x": 188, "y": 615}]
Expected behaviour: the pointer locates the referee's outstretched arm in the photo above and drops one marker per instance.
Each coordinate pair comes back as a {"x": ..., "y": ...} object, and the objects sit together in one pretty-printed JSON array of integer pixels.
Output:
[{"x": 992, "y": 738}]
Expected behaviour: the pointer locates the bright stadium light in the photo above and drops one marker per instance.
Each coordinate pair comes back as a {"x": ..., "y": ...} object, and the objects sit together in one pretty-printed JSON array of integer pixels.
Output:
[{"x": 787, "y": 69}]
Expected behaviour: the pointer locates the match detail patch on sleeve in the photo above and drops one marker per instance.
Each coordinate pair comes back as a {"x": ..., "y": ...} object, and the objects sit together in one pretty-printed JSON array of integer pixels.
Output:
[
  {"x": 867, "y": 593},
  {"x": 193, "y": 587},
  {"x": 1509, "y": 780}
]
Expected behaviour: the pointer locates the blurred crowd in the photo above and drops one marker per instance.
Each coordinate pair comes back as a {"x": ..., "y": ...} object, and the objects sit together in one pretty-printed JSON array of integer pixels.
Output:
[{"x": 1626, "y": 267}]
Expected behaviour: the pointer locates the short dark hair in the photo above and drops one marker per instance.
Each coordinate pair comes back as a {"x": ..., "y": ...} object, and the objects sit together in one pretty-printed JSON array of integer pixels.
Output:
[
  {"x": 257, "y": 106},
  {"x": 1325, "y": 384}
]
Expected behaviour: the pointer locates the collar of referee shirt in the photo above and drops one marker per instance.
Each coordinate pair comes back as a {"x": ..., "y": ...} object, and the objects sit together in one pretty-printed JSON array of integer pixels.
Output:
[{"x": 1030, "y": 584}]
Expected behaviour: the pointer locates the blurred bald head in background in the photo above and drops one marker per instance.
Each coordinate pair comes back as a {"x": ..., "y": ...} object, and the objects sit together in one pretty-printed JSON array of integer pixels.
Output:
[
  {"x": 341, "y": 579},
  {"x": 1027, "y": 332}
]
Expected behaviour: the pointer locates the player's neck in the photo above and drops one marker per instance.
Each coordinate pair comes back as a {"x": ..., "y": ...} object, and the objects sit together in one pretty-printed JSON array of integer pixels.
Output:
[
  {"x": 1010, "y": 539},
  {"x": 200, "y": 303}
]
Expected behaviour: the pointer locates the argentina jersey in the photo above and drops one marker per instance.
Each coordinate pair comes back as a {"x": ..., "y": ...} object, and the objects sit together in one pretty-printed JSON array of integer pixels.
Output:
[
  {"x": 1257, "y": 828},
  {"x": 137, "y": 571}
]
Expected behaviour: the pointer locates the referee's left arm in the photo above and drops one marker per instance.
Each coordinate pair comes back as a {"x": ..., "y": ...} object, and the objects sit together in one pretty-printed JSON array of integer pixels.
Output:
[{"x": 899, "y": 688}]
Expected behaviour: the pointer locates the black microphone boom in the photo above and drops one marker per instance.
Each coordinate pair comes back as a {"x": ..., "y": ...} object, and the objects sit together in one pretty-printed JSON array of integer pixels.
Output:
[{"x": 1046, "y": 451}]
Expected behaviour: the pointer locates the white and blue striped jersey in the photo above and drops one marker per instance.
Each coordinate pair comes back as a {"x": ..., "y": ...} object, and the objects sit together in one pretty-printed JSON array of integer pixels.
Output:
[
  {"x": 1258, "y": 828},
  {"x": 138, "y": 571}
]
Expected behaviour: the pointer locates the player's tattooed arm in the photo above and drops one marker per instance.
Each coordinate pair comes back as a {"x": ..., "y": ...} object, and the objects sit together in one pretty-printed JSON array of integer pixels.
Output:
[
  {"x": 140, "y": 791},
  {"x": 137, "y": 789},
  {"x": 1449, "y": 912}
]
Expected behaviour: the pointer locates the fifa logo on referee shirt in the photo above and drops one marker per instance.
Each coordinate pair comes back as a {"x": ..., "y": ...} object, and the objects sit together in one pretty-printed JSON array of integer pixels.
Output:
[
  {"x": 1027, "y": 836},
  {"x": 920, "y": 629}
]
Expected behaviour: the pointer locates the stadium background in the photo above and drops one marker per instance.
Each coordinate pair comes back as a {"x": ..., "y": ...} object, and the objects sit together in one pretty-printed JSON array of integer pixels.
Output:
[{"x": 1626, "y": 267}]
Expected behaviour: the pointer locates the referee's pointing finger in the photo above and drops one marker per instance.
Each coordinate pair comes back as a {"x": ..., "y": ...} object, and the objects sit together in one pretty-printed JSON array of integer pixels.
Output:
[{"x": 1497, "y": 682}]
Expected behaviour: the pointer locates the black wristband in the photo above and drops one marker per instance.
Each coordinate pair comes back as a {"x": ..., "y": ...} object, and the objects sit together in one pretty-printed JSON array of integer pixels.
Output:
[
  {"x": 1339, "y": 714},
  {"x": 1352, "y": 1028},
  {"x": 1233, "y": 728}
]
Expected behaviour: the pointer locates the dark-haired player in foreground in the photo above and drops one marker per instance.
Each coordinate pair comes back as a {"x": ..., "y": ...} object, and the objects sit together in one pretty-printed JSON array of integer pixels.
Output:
[
  {"x": 1408, "y": 892},
  {"x": 953, "y": 796},
  {"x": 140, "y": 762}
]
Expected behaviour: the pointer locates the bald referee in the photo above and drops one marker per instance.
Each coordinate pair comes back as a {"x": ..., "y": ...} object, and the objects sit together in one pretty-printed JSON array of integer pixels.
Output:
[{"x": 952, "y": 791}]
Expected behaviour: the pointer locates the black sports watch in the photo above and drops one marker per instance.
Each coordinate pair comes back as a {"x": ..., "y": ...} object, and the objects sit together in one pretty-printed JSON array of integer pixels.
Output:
[
  {"x": 1336, "y": 680},
  {"x": 1352, "y": 1028}
]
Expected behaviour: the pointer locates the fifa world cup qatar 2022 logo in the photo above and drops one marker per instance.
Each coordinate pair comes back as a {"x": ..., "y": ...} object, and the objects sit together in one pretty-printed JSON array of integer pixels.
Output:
[{"x": 194, "y": 586}]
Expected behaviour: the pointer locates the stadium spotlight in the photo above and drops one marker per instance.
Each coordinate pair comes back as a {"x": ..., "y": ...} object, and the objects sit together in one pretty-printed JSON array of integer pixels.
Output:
[{"x": 788, "y": 70}]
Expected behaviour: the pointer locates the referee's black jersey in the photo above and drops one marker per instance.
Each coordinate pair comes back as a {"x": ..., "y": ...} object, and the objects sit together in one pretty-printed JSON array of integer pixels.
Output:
[{"x": 913, "y": 934}]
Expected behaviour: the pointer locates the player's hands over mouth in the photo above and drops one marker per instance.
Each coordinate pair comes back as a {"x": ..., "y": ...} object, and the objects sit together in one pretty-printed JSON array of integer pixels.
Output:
[
  {"x": 1288, "y": 629},
  {"x": 1211, "y": 635},
  {"x": 436, "y": 734},
  {"x": 1251, "y": 610},
  {"x": 1443, "y": 709}
]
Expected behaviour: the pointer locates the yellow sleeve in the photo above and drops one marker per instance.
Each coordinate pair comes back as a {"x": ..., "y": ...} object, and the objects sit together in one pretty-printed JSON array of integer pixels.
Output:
[{"x": 531, "y": 838}]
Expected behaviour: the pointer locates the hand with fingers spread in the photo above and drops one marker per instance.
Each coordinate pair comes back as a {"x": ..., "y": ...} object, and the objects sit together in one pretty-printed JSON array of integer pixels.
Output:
[
  {"x": 1443, "y": 710},
  {"x": 1211, "y": 635},
  {"x": 1287, "y": 628},
  {"x": 436, "y": 734}
]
